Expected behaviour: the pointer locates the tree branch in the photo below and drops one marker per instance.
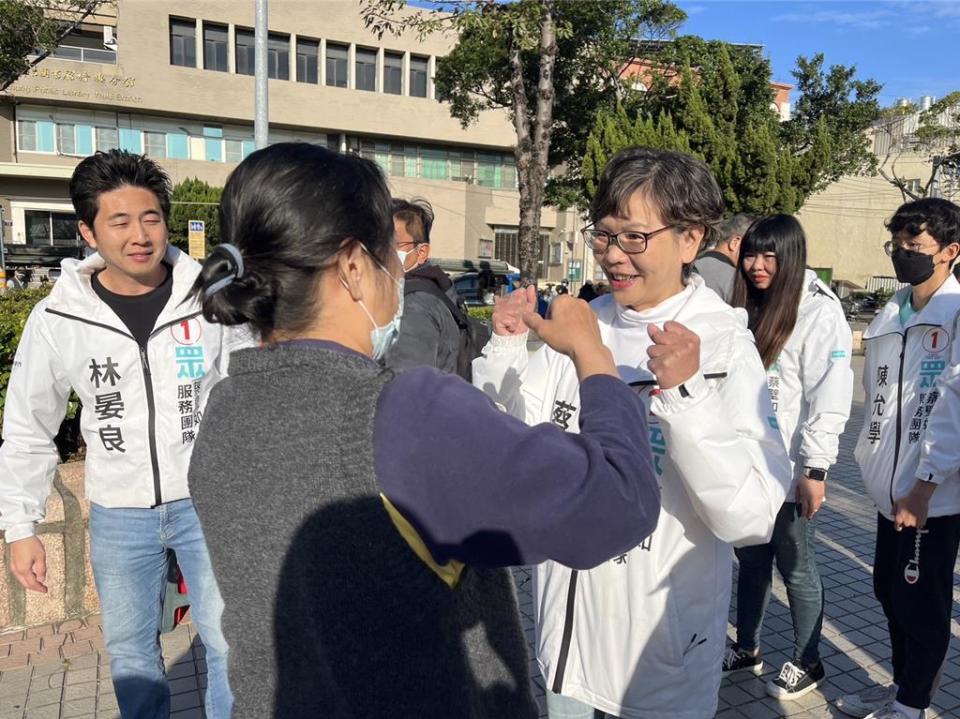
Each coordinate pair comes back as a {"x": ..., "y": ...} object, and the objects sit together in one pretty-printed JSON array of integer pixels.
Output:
[{"x": 62, "y": 33}]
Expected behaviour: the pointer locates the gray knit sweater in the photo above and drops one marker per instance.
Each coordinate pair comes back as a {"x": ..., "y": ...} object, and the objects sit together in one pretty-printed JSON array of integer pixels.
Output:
[{"x": 329, "y": 613}]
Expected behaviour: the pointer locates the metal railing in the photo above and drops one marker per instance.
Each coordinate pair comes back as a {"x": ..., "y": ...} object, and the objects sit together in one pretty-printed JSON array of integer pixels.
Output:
[{"x": 84, "y": 54}]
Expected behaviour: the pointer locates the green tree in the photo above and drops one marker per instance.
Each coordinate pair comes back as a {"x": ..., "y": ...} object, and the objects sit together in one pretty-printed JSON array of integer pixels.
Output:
[
  {"x": 933, "y": 134},
  {"x": 548, "y": 63},
  {"x": 713, "y": 100},
  {"x": 194, "y": 199},
  {"x": 32, "y": 29}
]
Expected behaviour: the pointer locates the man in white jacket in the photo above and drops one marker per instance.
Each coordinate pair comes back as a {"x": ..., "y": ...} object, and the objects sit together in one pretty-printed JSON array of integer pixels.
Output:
[
  {"x": 642, "y": 635},
  {"x": 909, "y": 455},
  {"x": 115, "y": 330}
]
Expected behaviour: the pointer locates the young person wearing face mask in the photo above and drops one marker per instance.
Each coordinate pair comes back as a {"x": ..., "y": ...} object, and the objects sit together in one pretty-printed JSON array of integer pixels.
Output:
[
  {"x": 430, "y": 334},
  {"x": 643, "y": 635},
  {"x": 909, "y": 455},
  {"x": 380, "y": 548},
  {"x": 805, "y": 344}
]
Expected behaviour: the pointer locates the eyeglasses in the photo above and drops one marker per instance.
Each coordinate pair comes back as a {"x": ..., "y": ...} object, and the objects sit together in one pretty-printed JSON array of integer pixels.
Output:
[
  {"x": 631, "y": 242},
  {"x": 891, "y": 245}
]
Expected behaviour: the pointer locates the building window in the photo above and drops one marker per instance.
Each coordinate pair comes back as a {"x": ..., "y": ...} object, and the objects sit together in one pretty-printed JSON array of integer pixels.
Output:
[
  {"x": 213, "y": 143},
  {"x": 27, "y": 135},
  {"x": 398, "y": 162},
  {"x": 434, "y": 164},
  {"x": 108, "y": 138},
  {"x": 418, "y": 76},
  {"x": 336, "y": 65},
  {"x": 505, "y": 246},
  {"x": 366, "y": 69},
  {"x": 183, "y": 42},
  {"x": 393, "y": 73},
  {"x": 462, "y": 167},
  {"x": 215, "y": 47},
  {"x": 278, "y": 56},
  {"x": 556, "y": 253},
  {"x": 308, "y": 53},
  {"x": 67, "y": 139},
  {"x": 245, "y": 52},
  {"x": 51, "y": 228},
  {"x": 508, "y": 173},
  {"x": 36, "y": 136},
  {"x": 178, "y": 146},
  {"x": 155, "y": 144},
  {"x": 233, "y": 150}
]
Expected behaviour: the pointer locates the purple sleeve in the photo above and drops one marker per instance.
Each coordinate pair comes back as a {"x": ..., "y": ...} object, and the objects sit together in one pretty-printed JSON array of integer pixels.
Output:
[{"x": 483, "y": 488}]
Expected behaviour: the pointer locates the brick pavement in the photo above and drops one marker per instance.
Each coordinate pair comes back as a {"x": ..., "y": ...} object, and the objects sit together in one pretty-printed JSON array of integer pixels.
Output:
[{"x": 61, "y": 671}]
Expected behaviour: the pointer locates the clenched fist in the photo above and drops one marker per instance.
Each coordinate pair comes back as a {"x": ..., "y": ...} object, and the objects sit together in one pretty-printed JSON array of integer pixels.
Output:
[
  {"x": 674, "y": 354},
  {"x": 508, "y": 311}
]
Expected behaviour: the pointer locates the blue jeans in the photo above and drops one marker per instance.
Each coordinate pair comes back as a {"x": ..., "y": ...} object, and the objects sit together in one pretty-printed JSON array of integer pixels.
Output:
[
  {"x": 792, "y": 547},
  {"x": 128, "y": 550},
  {"x": 561, "y": 707}
]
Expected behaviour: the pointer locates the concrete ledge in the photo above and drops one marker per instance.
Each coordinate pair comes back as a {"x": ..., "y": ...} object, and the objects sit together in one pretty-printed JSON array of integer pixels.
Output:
[{"x": 64, "y": 535}]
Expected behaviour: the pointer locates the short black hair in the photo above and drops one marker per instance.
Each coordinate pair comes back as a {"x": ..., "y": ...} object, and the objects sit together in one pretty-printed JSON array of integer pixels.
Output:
[
  {"x": 107, "y": 171},
  {"x": 417, "y": 217},
  {"x": 940, "y": 218},
  {"x": 680, "y": 186},
  {"x": 288, "y": 209}
]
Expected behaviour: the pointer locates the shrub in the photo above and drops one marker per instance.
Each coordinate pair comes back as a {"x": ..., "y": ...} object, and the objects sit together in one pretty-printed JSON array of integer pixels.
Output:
[
  {"x": 15, "y": 307},
  {"x": 481, "y": 313}
]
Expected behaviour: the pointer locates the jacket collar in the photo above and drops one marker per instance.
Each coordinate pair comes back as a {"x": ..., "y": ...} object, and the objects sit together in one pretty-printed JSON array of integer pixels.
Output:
[
  {"x": 940, "y": 310},
  {"x": 73, "y": 293},
  {"x": 702, "y": 311}
]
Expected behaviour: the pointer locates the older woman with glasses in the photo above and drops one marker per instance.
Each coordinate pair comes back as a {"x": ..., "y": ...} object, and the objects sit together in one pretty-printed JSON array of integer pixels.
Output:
[{"x": 643, "y": 634}]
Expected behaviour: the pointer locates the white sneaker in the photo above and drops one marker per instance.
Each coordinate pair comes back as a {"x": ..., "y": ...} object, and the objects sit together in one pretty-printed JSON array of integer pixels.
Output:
[{"x": 870, "y": 700}]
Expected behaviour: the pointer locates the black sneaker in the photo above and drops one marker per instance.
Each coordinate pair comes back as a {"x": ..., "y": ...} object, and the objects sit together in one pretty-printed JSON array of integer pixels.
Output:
[
  {"x": 795, "y": 680},
  {"x": 739, "y": 660}
]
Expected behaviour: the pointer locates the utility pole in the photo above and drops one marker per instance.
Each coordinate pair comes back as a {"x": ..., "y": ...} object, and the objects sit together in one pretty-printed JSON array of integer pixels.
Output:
[{"x": 261, "y": 97}]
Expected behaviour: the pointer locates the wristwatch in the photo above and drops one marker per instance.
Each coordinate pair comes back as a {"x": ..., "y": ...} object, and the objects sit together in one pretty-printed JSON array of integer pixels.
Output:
[{"x": 816, "y": 474}]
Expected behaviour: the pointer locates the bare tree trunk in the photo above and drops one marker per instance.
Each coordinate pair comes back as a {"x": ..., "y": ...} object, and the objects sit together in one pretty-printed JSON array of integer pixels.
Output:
[{"x": 533, "y": 144}]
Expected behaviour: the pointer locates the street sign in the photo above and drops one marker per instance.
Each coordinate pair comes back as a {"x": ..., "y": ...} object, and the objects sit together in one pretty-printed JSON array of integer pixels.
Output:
[{"x": 196, "y": 239}]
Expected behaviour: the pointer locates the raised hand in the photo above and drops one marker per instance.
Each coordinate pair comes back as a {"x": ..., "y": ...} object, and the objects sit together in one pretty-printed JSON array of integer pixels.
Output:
[
  {"x": 508, "y": 311},
  {"x": 674, "y": 354},
  {"x": 572, "y": 329}
]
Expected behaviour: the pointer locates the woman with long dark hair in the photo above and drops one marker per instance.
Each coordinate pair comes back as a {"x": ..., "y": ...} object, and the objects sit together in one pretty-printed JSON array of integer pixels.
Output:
[
  {"x": 359, "y": 521},
  {"x": 805, "y": 344}
]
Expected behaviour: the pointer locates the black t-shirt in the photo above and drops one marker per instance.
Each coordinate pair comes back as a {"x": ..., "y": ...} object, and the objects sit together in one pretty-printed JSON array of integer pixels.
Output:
[{"x": 138, "y": 312}]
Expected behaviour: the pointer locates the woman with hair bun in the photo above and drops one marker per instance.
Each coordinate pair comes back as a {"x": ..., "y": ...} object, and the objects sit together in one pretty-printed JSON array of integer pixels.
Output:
[{"x": 359, "y": 521}]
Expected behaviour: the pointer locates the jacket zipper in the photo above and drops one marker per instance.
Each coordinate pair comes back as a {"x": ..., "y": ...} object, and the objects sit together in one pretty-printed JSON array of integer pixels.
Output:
[
  {"x": 567, "y": 634},
  {"x": 148, "y": 385},
  {"x": 151, "y": 422},
  {"x": 896, "y": 445}
]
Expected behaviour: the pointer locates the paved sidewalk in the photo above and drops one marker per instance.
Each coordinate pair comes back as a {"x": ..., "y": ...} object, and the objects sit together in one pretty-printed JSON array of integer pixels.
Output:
[{"x": 60, "y": 672}]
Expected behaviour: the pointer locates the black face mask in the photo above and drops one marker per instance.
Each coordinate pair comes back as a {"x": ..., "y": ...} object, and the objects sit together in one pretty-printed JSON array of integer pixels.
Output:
[{"x": 911, "y": 267}]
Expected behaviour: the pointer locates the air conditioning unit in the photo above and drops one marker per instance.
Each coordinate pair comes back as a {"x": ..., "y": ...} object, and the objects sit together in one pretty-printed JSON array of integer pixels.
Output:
[{"x": 109, "y": 39}]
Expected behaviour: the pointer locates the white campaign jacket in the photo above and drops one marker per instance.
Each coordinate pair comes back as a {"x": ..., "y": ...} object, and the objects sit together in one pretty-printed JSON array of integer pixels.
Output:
[
  {"x": 911, "y": 426},
  {"x": 811, "y": 383},
  {"x": 642, "y": 635},
  {"x": 140, "y": 411}
]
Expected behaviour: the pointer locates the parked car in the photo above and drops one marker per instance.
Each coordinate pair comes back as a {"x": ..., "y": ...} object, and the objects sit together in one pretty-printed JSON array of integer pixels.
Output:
[
  {"x": 478, "y": 282},
  {"x": 860, "y": 306}
]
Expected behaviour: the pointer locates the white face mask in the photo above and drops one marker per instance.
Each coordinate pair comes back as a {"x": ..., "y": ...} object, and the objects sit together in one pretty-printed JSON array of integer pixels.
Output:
[
  {"x": 403, "y": 255},
  {"x": 382, "y": 338}
]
